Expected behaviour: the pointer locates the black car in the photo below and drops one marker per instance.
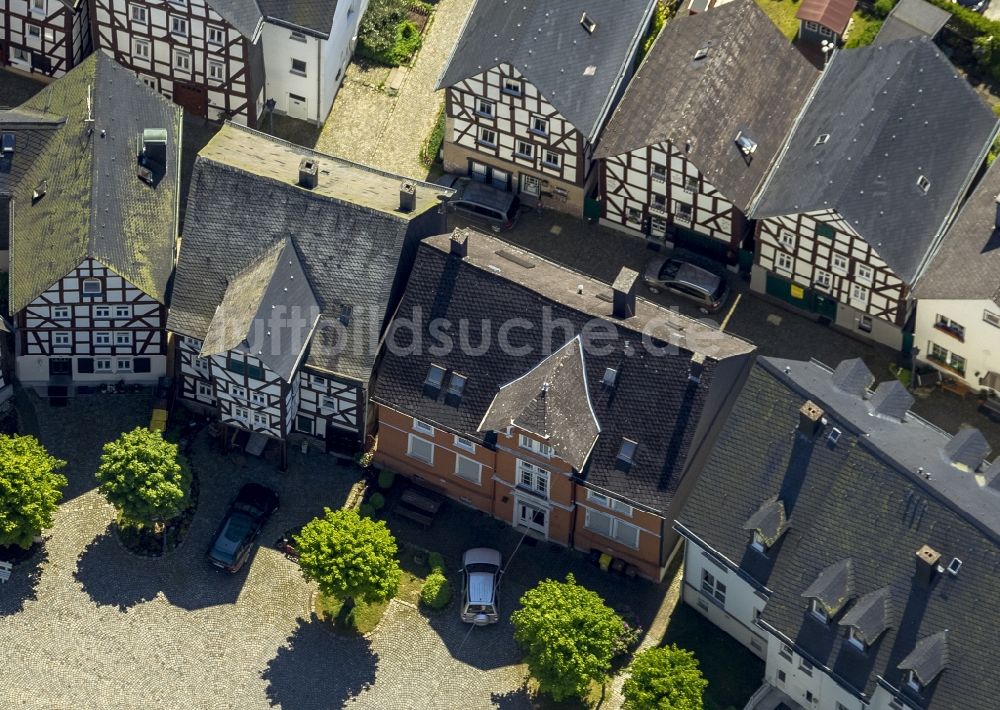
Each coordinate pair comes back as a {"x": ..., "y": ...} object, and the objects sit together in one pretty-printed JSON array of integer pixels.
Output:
[
  {"x": 482, "y": 203},
  {"x": 246, "y": 516}
]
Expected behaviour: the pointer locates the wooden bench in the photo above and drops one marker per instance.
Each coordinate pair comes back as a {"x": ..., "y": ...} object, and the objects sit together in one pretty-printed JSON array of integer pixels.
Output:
[
  {"x": 422, "y": 499},
  {"x": 414, "y": 515},
  {"x": 955, "y": 387}
]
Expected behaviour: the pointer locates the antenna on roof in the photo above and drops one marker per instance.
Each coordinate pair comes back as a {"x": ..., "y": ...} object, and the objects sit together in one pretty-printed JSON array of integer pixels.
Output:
[{"x": 90, "y": 105}]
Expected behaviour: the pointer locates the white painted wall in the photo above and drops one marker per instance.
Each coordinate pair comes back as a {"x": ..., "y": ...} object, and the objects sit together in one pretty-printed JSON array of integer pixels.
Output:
[
  {"x": 980, "y": 347},
  {"x": 810, "y": 687},
  {"x": 326, "y": 61}
]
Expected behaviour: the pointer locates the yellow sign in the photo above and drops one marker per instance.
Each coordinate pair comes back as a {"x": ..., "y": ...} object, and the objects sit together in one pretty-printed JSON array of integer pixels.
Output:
[{"x": 798, "y": 292}]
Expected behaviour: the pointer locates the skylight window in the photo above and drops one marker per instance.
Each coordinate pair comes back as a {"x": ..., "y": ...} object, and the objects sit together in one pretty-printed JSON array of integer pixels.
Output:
[
  {"x": 587, "y": 23},
  {"x": 456, "y": 385},
  {"x": 626, "y": 454},
  {"x": 610, "y": 377},
  {"x": 924, "y": 184},
  {"x": 701, "y": 54},
  {"x": 435, "y": 377},
  {"x": 822, "y": 138},
  {"x": 746, "y": 144}
]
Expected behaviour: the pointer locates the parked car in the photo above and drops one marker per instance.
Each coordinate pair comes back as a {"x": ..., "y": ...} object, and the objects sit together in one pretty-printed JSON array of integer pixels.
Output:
[
  {"x": 480, "y": 585},
  {"x": 687, "y": 280},
  {"x": 481, "y": 202},
  {"x": 246, "y": 515}
]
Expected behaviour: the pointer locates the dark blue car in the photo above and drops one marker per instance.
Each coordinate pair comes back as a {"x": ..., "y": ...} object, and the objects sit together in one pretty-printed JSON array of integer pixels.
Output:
[{"x": 243, "y": 522}]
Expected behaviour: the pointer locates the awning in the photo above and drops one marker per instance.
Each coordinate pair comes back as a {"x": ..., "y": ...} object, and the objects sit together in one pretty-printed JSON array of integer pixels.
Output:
[{"x": 991, "y": 380}]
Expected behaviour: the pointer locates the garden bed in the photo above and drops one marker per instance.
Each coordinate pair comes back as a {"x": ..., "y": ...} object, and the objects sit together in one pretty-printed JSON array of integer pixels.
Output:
[
  {"x": 391, "y": 31},
  {"x": 144, "y": 541}
]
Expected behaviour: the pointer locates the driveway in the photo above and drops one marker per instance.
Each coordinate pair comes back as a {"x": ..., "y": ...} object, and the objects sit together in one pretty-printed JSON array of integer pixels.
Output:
[
  {"x": 87, "y": 624},
  {"x": 369, "y": 125}
]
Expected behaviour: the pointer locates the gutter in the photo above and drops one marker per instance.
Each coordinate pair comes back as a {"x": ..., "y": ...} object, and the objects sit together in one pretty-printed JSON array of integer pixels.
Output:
[
  {"x": 622, "y": 71},
  {"x": 294, "y": 27},
  {"x": 686, "y": 533},
  {"x": 776, "y": 164}
]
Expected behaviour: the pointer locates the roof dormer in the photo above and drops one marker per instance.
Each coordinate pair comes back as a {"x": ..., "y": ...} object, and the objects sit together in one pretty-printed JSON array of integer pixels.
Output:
[
  {"x": 868, "y": 618},
  {"x": 831, "y": 590},
  {"x": 926, "y": 661},
  {"x": 768, "y": 524}
]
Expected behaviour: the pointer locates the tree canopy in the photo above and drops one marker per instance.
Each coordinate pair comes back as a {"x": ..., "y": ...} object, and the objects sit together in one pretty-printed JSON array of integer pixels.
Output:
[
  {"x": 30, "y": 489},
  {"x": 568, "y": 635},
  {"x": 144, "y": 477},
  {"x": 349, "y": 556},
  {"x": 665, "y": 678}
]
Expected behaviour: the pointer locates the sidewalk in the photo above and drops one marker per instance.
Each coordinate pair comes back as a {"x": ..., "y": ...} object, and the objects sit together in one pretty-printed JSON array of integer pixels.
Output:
[{"x": 369, "y": 126}]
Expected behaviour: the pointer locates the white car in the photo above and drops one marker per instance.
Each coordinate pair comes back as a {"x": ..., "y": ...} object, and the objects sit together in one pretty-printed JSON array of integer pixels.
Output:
[{"x": 481, "y": 571}]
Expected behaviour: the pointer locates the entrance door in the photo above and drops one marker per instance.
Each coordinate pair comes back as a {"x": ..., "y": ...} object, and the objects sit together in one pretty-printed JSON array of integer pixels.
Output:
[
  {"x": 60, "y": 367},
  {"x": 298, "y": 107},
  {"x": 191, "y": 97},
  {"x": 530, "y": 185},
  {"x": 531, "y": 516}
]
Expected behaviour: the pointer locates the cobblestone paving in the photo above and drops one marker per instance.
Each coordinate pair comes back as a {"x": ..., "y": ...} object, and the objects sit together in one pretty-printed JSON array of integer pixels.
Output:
[
  {"x": 86, "y": 624},
  {"x": 369, "y": 126}
]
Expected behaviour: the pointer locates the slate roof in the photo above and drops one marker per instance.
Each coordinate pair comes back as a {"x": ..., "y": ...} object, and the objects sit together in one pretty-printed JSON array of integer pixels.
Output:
[
  {"x": 552, "y": 401},
  {"x": 244, "y": 15},
  {"x": 769, "y": 520},
  {"x": 871, "y": 614},
  {"x": 853, "y": 376},
  {"x": 912, "y": 18},
  {"x": 545, "y": 41},
  {"x": 835, "y": 14},
  {"x": 315, "y": 15},
  {"x": 967, "y": 264},
  {"x": 94, "y": 204},
  {"x": 891, "y": 399},
  {"x": 256, "y": 309},
  {"x": 654, "y": 400},
  {"x": 893, "y": 112},
  {"x": 861, "y": 498},
  {"x": 967, "y": 448},
  {"x": 354, "y": 245},
  {"x": 705, "y": 103},
  {"x": 833, "y": 586},
  {"x": 929, "y": 657}
]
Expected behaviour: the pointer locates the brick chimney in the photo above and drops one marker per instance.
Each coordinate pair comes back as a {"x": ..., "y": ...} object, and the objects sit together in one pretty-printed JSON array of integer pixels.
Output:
[
  {"x": 460, "y": 243},
  {"x": 407, "y": 196},
  {"x": 308, "y": 173},
  {"x": 810, "y": 419},
  {"x": 623, "y": 297},
  {"x": 927, "y": 562}
]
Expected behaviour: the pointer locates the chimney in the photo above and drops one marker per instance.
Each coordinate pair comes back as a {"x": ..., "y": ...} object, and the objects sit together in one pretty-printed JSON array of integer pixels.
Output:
[
  {"x": 697, "y": 367},
  {"x": 996, "y": 215},
  {"x": 927, "y": 560},
  {"x": 460, "y": 244},
  {"x": 407, "y": 196},
  {"x": 810, "y": 419},
  {"x": 308, "y": 173},
  {"x": 623, "y": 301}
]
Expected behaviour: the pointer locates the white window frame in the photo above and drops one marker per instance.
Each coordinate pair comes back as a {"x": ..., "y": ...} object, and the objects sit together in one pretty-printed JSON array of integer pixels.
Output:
[
  {"x": 535, "y": 446},
  {"x": 855, "y": 638},
  {"x": 683, "y": 212},
  {"x": 483, "y": 137},
  {"x": 411, "y": 438},
  {"x": 713, "y": 588},
  {"x": 123, "y": 365},
  {"x": 102, "y": 312},
  {"x": 102, "y": 338},
  {"x": 216, "y": 35},
  {"x": 62, "y": 339},
  {"x": 238, "y": 392},
  {"x": 216, "y": 70},
  {"x": 304, "y": 71},
  {"x": 864, "y": 274},
  {"x": 261, "y": 419},
  {"x": 486, "y": 108},
  {"x": 141, "y": 48},
  {"x": 102, "y": 364},
  {"x": 205, "y": 389},
  {"x": 139, "y": 14},
  {"x": 38, "y": 6},
  {"x": 525, "y": 149},
  {"x": 512, "y": 86},
  {"x": 823, "y": 279},
  {"x": 784, "y": 262},
  {"x": 182, "y": 61},
  {"x": 123, "y": 311},
  {"x": 992, "y": 318},
  {"x": 818, "y": 612},
  {"x": 787, "y": 238},
  {"x": 34, "y": 32},
  {"x": 758, "y": 543},
  {"x": 423, "y": 427},
  {"x": 201, "y": 364},
  {"x": 459, "y": 460},
  {"x": 609, "y": 502},
  {"x": 258, "y": 398},
  {"x": 805, "y": 666},
  {"x": 123, "y": 337},
  {"x": 551, "y": 159},
  {"x": 241, "y": 413},
  {"x": 839, "y": 264},
  {"x": 91, "y": 282},
  {"x": 465, "y": 444},
  {"x": 533, "y": 478},
  {"x": 912, "y": 681},
  {"x": 859, "y": 293},
  {"x": 179, "y": 26},
  {"x": 60, "y": 313},
  {"x": 615, "y": 527},
  {"x": 537, "y": 121}
]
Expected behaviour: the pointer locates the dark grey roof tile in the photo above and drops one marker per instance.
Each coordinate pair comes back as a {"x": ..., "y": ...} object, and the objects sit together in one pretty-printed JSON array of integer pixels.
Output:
[{"x": 853, "y": 376}]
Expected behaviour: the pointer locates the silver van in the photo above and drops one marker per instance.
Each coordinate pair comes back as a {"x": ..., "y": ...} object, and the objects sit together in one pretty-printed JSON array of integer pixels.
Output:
[{"x": 480, "y": 584}]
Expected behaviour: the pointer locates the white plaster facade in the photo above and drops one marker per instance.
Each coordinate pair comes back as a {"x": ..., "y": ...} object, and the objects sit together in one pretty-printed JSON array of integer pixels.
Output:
[
  {"x": 307, "y": 92},
  {"x": 45, "y": 37},
  {"x": 959, "y": 337}
]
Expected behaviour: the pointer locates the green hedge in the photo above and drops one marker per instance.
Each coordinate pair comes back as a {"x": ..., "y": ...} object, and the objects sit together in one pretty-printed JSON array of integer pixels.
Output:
[
  {"x": 436, "y": 592},
  {"x": 432, "y": 145},
  {"x": 981, "y": 31}
]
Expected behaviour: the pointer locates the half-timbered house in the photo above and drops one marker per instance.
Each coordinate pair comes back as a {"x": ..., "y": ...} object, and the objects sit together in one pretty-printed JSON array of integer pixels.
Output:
[
  {"x": 529, "y": 87},
  {"x": 90, "y": 175},
  {"x": 586, "y": 442},
  {"x": 699, "y": 128},
  {"x": 873, "y": 174},
  {"x": 44, "y": 37},
  {"x": 290, "y": 263},
  {"x": 206, "y": 56}
]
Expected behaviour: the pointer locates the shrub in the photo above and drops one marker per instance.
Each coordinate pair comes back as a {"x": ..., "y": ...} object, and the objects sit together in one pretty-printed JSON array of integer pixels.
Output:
[
  {"x": 30, "y": 489},
  {"x": 436, "y": 592},
  {"x": 386, "y": 477},
  {"x": 435, "y": 561},
  {"x": 867, "y": 36},
  {"x": 377, "y": 501},
  {"x": 432, "y": 146},
  {"x": 884, "y": 7},
  {"x": 385, "y": 35}
]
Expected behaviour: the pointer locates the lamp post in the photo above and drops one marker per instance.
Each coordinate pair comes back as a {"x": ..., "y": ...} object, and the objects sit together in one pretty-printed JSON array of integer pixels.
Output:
[
  {"x": 913, "y": 366},
  {"x": 827, "y": 47}
]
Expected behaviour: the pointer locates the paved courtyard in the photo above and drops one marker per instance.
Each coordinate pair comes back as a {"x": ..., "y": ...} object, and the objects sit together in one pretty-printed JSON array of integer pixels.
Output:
[
  {"x": 370, "y": 125},
  {"x": 87, "y": 624}
]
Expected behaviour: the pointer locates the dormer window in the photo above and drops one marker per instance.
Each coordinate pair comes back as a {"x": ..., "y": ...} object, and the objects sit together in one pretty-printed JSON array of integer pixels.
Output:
[
  {"x": 759, "y": 543},
  {"x": 817, "y": 610},
  {"x": 855, "y": 638},
  {"x": 913, "y": 682}
]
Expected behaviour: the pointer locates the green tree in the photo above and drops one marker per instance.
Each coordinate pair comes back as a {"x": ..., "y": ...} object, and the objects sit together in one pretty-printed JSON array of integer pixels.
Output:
[
  {"x": 349, "y": 556},
  {"x": 144, "y": 477},
  {"x": 568, "y": 635},
  {"x": 30, "y": 489},
  {"x": 664, "y": 679}
]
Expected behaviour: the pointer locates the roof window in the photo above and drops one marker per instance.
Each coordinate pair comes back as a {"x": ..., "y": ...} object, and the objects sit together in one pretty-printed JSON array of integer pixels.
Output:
[
  {"x": 587, "y": 23},
  {"x": 822, "y": 138},
  {"x": 626, "y": 454},
  {"x": 610, "y": 377},
  {"x": 746, "y": 144},
  {"x": 924, "y": 184},
  {"x": 7, "y": 143},
  {"x": 345, "y": 314},
  {"x": 701, "y": 54},
  {"x": 456, "y": 385},
  {"x": 434, "y": 380}
]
